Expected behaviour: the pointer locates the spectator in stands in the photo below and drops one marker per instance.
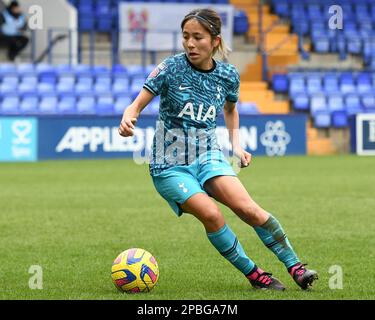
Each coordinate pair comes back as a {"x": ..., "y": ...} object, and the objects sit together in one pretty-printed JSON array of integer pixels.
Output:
[{"x": 13, "y": 23}]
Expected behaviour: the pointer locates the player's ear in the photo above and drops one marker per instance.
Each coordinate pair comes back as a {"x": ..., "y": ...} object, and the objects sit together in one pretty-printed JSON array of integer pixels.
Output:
[{"x": 217, "y": 41}]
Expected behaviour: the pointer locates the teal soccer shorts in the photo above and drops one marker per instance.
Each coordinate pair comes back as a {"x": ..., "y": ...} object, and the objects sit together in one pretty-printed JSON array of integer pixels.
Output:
[{"x": 179, "y": 183}]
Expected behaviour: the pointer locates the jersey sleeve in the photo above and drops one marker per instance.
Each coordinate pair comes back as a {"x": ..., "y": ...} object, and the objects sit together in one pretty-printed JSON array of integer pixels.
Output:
[
  {"x": 234, "y": 86},
  {"x": 158, "y": 79}
]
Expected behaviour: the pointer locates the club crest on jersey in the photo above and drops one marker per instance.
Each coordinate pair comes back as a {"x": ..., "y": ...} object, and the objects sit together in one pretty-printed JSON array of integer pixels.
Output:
[
  {"x": 188, "y": 110},
  {"x": 157, "y": 70}
]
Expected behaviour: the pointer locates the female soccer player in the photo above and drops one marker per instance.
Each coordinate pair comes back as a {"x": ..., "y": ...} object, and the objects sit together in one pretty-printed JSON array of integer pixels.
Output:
[{"x": 187, "y": 166}]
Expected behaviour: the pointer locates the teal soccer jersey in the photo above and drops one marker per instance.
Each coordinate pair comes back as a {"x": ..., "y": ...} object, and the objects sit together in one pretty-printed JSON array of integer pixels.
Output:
[{"x": 190, "y": 100}]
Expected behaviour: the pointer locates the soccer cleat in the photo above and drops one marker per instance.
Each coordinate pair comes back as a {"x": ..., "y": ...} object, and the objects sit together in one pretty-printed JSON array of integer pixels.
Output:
[
  {"x": 302, "y": 276},
  {"x": 264, "y": 281}
]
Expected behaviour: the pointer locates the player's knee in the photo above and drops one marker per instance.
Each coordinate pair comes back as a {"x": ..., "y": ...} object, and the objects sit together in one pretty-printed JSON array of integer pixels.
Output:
[
  {"x": 251, "y": 213},
  {"x": 213, "y": 218}
]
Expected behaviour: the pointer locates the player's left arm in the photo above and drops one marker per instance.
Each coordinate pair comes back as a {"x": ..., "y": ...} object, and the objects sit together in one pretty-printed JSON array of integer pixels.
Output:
[{"x": 232, "y": 122}]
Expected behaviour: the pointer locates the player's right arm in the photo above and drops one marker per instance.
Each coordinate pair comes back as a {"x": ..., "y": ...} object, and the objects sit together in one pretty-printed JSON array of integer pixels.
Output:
[
  {"x": 132, "y": 112},
  {"x": 155, "y": 83}
]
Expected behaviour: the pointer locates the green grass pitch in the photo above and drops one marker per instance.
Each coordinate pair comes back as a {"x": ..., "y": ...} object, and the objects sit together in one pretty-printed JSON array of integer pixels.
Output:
[{"x": 74, "y": 217}]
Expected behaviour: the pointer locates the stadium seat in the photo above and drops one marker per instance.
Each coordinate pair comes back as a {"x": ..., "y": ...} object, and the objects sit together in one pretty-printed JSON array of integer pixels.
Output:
[
  {"x": 321, "y": 44},
  {"x": 29, "y": 105},
  {"x": 86, "y": 105},
  {"x": 83, "y": 88},
  {"x": 353, "y": 101},
  {"x": 247, "y": 108},
  {"x": 6, "y": 87},
  {"x": 301, "y": 102},
  {"x": 121, "y": 103},
  {"x": 314, "y": 84},
  {"x": 104, "y": 105},
  {"x": 48, "y": 105},
  {"x": 280, "y": 83},
  {"x": 297, "y": 85},
  {"x": 322, "y": 119},
  {"x": 330, "y": 83},
  {"x": 368, "y": 102},
  {"x": 67, "y": 105},
  {"x": 339, "y": 119},
  {"x": 347, "y": 83},
  {"x": 318, "y": 103},
  {"x": 335, "y": 103},
  {"x": 120, "y": 86},
  {"x": 10, "y": 105},
  {"x": 241, "y": 23}
]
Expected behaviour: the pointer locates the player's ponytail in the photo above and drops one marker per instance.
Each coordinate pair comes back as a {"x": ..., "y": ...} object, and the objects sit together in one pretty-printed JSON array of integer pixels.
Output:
[
  {"x": 223, "y": 49},
  {"x": 211, "y": 21}
]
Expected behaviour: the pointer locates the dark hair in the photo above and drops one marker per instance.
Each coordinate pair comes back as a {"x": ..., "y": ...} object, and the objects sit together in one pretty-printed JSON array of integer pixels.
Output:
[
  {"x": 211, "y": 21},
  {"x": 13, "y": 4}
]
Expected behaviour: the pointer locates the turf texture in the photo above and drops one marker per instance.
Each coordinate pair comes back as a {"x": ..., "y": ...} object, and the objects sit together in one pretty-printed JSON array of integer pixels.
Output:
[{"x": 73, "y": 218}]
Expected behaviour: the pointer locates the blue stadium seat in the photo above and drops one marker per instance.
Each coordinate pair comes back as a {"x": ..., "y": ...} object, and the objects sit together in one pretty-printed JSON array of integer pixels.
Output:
[
  {"x": 281, "y": 8},
  {"x": 30, "y": 79},
  {"x": 135, "y": 71},
  {"x": 63, "y": 88},
  {"x": 7, "y": 68},
  {"x": 137, "y": 85},
  {"x": 120, "y": 86},
  {"x": 48, "y": 105},
  {"x": 10, "y": 105},
  {"x": 314, "y": 10},
  {"x": 318, "y": 103},
  {"x": 301, "y": 102},
  {"x": 48, "y": 77},
  {"x": 25, "y": 88},
  {"x": 45, "y": 88},
  {"x": 241, "y": 22},
  {"x": 86, "y": 105},
  {"x": 68, "y": 79},
  {"x": 314, "y": 84},
  {"x": 301, "y": 26},
  {"x": 353, "y": 104},
  {"x": 104, "y": 105},
  {"x": 322, "y": 119},
  {"x": 85, "y": 78},
  {"x": 105, "y": 79},
  {"x": 11, "y": 80},
  {"x": 347, "y": 83},
  {"x": 83, "y": 87},
  {"x": 6, "y": 87},
  {"x": 368, "y": 102},
  {"x": 280, "y": 83},
  {"x": 335, "y": 103},
  {"x": 364, "y": 83},
  {"x": 29, "y": 105},
  {"x": 339, "y": 119},
  {"x": 67, "y": 105},
  {"x": 321, "y": 44},
  {"x": 330, "y": 83},
  {"x": 121, "y": 103},
  {"x": 102, "y": 88},
  {"x": 354, "y": 44},
  {"x": 297, "y": 85},
  {"x": 247, "y": 108}
]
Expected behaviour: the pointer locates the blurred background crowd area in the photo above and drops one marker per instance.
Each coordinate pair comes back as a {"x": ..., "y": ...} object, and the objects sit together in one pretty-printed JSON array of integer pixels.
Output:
[{"x": 91, "y": 57}]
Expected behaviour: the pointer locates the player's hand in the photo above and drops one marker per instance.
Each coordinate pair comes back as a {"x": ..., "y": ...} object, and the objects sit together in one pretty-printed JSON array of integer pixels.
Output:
[
  {"x": 244, "y": 156},
  {"x": 127, "y": 127}
]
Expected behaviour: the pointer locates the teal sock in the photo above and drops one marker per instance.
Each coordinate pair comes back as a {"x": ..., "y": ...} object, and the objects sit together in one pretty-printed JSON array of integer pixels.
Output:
[
  {"x": 226, "y": 242},
  {"x": 274, "y": 238}
]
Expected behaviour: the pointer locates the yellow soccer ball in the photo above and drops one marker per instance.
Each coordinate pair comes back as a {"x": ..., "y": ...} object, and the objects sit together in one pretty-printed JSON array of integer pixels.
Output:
[{"x": 135, "y": 270}]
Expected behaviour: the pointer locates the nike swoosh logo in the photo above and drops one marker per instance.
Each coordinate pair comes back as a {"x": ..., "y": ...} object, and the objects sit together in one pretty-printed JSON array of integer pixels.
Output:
[{"x": 183, "y": 88}]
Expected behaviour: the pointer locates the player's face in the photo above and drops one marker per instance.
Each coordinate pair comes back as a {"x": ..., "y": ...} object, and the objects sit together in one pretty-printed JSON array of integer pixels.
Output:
[{"x": 198, "y": 44}]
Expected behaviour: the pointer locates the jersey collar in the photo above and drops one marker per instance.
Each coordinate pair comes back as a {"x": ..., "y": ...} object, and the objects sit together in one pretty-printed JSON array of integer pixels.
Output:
[{"x": 201, "y": 70}]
